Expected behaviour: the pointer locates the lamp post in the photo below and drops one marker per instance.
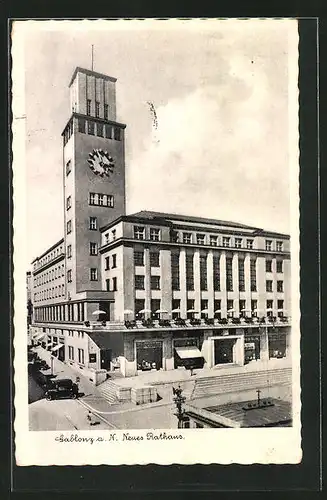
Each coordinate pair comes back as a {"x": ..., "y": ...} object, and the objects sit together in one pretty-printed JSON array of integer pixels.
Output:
[
  {"x": 51, "y": 358},
  {"x": 179, "y": 400}
]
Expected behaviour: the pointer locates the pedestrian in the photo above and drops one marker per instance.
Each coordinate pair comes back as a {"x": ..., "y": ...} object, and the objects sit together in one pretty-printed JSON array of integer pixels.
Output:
[{"x": 90, "y": 418}]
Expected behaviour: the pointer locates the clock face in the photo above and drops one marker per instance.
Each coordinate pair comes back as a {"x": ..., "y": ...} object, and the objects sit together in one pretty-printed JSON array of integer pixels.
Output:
[{"x": 101, "y": 163}]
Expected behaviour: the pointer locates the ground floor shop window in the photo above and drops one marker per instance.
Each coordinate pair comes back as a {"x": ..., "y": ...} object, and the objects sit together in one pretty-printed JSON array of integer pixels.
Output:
[
  {"x": 183, "y": 343},
  {"x": 251, "y": 348},
  {"x": 149, "y": 355},
  {"x": 277, "y": 345},
  {"x": 224, "y": 351}
]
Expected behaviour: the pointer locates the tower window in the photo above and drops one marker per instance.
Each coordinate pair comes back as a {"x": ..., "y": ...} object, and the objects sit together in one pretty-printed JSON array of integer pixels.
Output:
[
  {"x": 69, "y": 226},
  {"x": 88, "y": 106},
  {"x": 69, "y": 202},
  {"x": 108, "y": 131},
  {"x": 99, "y": 130},
  {"x": 117, "y": 134},
  {"x": 93, "y": 248},
  {"x": 97, "y": 109},
  {"x": 100, "y": 200},
  {"x": 68, "y": 167},
  {"x": 106, "y": 110},
  {"x": 93, "y": 223},
  {"x": 110, "y": 201},
  {"x": 139, "y": 232},
  {"x": 154, "y": 234},
  {"x": 81, "y": 125},
  {"x": 93, "y": 274},
  {"x": 90, "y": 127},
  {"x": 69, "y": 251},
  {"x": 69, "y": 276}
]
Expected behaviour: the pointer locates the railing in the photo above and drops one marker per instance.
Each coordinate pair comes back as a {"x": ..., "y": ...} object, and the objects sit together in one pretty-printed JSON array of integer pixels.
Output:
[{"x": 181, "y": 322}]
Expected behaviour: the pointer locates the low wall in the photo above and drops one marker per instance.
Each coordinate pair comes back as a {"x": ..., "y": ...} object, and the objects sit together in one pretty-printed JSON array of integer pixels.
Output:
[{"x": 96, "y": 377}]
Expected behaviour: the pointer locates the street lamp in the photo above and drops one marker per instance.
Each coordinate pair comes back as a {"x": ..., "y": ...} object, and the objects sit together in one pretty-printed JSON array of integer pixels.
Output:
[{"x": 179, "y": 400}]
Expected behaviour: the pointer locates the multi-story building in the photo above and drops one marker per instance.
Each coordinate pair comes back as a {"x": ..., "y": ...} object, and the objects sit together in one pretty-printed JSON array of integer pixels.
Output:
[
  {"x": 29, "y": 298},
  {"x": 150, "y": 290}
]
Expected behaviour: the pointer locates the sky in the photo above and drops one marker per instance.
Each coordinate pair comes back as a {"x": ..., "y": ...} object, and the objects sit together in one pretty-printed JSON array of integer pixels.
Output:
[{"x": 221, "y": 93}]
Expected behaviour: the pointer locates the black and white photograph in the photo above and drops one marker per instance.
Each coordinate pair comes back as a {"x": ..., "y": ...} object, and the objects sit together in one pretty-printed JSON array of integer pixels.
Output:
[{"x": 156, "y": 241}]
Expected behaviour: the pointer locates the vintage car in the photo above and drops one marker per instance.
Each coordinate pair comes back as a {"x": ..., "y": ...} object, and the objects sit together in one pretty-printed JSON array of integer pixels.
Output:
[{"x": 62, "y": 388}]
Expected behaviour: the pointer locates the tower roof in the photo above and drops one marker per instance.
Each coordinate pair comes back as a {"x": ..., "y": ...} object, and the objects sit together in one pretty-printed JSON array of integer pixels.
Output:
[{"x": 89, "y": 72}]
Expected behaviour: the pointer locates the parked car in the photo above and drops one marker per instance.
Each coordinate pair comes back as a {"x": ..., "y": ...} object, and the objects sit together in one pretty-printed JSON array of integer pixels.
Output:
[{"x": 62, "y": 388}]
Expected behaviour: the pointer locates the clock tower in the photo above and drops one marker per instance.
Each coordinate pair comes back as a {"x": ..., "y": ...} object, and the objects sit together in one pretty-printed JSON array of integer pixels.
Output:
[{"x": 94, "y": 176}]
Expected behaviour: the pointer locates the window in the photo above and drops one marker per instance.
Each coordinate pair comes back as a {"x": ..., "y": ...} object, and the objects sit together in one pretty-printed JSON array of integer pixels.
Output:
[
  {"x": 139, "y": 232},
  {"x": 69, "y": 276},
  {"x": 279, "y": 266},
  {"x": 93, "y": 248},
  {"x": 114, "y": 261},
  {"x": 69, "y": 226},
  {"x": 93, "y": 274},
  {"x": 139, "y": 305},
  {"x": 108, "y": 131},
  {"x": 100, "y": 200},
  {"x": 190, "y": 308},
  {"x": 71, "y": 352},
  {"x": 138, "y": 258},
  {"x": 229, "y": 274},
  {"x": 155, "y": 282},
  {"x": 230, "y": 305},
  {"x": 99, "y": 129},
  {"x": 200, "y": 239},
  {"x": 110, "y": 201},
  {"x": 97, "y": 109},
  {"x": 175, "y": 271},
  {"x": 81, "y": 356},
  {"x": 63, "y": 270},
  {"x": 68, "y": 167},
  {"x": 241, "y": 277},
  {"x": 92, "y": 357},
  {"x": 113, "y": 234},
  {"x": 114, "y": 284},
  {"x": 176, "y": 306},
  {"x": 69, "y": 202},
  {"x": 203, "y": 273},
  {"x": 139, "y": 282},
  {"x": 213, "y": 240},
  {"x": 280, "y": 287},
  {"x": 155, "y": 306},
  {"x": 269, "y": 286},
  {"x": 187, "y": 237},
  {"x": 269, "y": 245},
  {"x": 90, "y": 127},
  {"x": 226, "y": 241},
  {"x": 117, "y": 134},
  {"x": 69, "y": 252},
  {"x": 108, "y": 285},
  {"x": 106, "y": 109},
  {"x": 268, "y": 266},
  {"x": 254, "y": 306},
  {"x": 189, "y": 272},
  {"x": 106, "y": 260},
  {"x": 279, "y": 246},
  {"x": 93, "y": 223},
  {"x": 216, "y": 272},
  {"x": 269, "y": 307},
  {"x": 81, "y": 125},
  {"x": 249, "y": 244},
  {"x": 154, "y": 259},
  {"x": 88, "y": 106},
  {"x": 106, "y": 237},
  {"x": 174, "y": 236},
  {"x": 154, "y": 234},
  {"x": 253, "y": 275},
  {"x": 238, "y": 242},
  {"x": 280, "y": 307}
]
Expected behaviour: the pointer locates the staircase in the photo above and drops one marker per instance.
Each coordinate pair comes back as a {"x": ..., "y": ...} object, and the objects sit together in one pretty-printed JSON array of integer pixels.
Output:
[
  {"x": 108, "y": 390},
  {"x": 238, "y": 382}
]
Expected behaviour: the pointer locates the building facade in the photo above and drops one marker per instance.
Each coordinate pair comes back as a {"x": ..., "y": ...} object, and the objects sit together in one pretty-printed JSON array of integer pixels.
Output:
[{"x": 150, "y": 290}]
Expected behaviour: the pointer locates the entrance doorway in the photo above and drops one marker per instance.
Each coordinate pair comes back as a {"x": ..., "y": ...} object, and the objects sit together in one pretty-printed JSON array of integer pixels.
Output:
[
  {"x": 149, "y": 355},
  {"x": 105, "y": 358},
  {"x": 224, "y": 351}
]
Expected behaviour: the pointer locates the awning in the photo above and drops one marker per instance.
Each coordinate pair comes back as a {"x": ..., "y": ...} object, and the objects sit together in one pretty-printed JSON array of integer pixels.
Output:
[
  {"x": 57, "y": 347},
  {"x": 188, "y": 352}
]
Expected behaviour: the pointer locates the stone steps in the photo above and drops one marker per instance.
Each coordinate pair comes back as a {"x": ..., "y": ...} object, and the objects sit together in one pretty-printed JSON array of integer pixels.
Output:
[
  {"x": 108, "y": 390},
  {"x": 240, "y": 382}
]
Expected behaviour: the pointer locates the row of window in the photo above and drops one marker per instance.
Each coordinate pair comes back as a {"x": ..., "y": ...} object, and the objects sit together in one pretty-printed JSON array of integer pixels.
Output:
[
  {"x": 154, "y": 282},
  {"x": 111, "y": 285},
  {"x": 232, "y": 306},
  {"x": 64, "y": 312},
  {"x": 269, "y": 286},
  {"x": 101, "y": 200},
  {"x": 92, "y": 127},
  {"x": 97, "y": 109},
  {"x": 113, "y": 262},
  {"x": 47, "y": 258},
  {"x": 93, "y": 275},
  {"x": 204, "y": 239},
  {"x": 80, "y": 357},
  {"x": 269, "y": 266},
  {"x": 139, "y": 258},
  {"x": 50, "y": 275},
  {"x": 50, "y": 293}
]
